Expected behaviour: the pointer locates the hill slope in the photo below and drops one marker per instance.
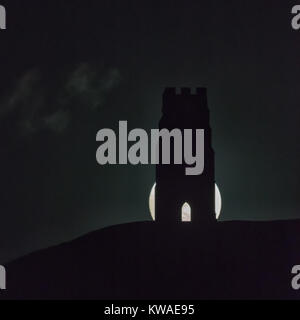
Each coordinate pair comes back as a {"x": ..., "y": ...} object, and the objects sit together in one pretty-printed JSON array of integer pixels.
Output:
[{"x": 147, "y": 261}]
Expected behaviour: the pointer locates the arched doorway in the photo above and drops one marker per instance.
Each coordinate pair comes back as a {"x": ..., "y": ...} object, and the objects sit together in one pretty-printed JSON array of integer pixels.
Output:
[{"x": 186, "y": 213}]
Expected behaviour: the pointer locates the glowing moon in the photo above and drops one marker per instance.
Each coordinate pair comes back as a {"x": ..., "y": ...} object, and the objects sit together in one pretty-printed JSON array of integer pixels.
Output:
[
  {"x": 186, "y": 208},
  {"x": 218, "y": 201}
]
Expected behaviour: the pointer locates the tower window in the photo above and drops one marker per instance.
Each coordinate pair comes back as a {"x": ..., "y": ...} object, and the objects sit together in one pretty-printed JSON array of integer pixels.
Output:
[{"x": 186, "y": 213}]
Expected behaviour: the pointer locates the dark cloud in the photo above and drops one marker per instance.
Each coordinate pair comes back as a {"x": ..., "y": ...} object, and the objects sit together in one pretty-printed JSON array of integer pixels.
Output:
[
  {"x": 58, "y": 121},
  {"x": 36, "y": 108},
  {"x": 85, "y": 85},
  {"x": 22, "y": 94}
]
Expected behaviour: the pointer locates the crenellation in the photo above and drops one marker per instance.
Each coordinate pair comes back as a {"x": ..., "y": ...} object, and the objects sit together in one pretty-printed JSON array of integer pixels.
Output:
[{"x": 185, "y": 91}]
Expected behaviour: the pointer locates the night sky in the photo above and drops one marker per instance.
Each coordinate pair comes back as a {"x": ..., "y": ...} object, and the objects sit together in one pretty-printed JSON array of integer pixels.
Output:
[{"x": 70, "y": 68}]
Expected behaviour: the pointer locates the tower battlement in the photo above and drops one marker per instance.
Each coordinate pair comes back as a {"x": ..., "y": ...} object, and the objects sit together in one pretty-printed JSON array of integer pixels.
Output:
[
  {"x": 181, "y": 102},
  {"x": 184, "y": 91}
]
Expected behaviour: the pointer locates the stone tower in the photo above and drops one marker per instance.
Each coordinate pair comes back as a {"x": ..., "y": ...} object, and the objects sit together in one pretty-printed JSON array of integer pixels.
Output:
[{"x": 174, "y": 188}]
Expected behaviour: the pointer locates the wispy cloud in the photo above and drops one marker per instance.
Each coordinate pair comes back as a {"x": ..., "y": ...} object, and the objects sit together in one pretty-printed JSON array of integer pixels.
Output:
[{"x": 36, "y": 106}]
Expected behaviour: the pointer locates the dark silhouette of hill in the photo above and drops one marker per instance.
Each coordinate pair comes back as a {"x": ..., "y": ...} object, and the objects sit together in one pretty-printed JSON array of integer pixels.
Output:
[{"x": 144, "y": 260}]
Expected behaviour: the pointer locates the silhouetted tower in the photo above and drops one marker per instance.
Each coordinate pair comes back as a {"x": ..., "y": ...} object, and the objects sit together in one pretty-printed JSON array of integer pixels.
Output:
[{"x": 173, "y": 186}]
